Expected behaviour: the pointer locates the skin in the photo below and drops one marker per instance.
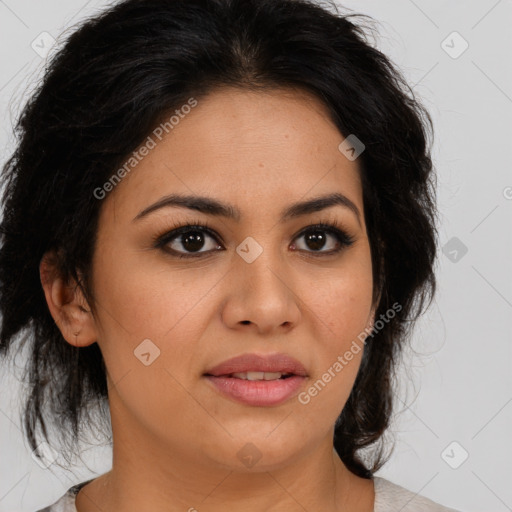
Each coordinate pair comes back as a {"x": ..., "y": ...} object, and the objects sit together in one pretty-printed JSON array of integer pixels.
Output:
[{"x": 175, "y": 438}]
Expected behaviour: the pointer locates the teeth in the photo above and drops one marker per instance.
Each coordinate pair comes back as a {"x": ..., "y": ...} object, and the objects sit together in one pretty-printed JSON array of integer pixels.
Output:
[{"x": 258, "y": 375}]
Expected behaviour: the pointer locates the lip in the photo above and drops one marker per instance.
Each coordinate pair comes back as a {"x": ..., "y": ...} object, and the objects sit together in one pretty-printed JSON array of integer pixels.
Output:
[
  {"x": 261, "y": 393},
  {"x": 282, "y": 363}
]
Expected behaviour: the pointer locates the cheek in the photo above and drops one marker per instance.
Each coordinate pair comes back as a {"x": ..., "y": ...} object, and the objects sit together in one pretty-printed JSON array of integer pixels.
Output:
[
  {"x": 138, "y": 297},
  {"x": 138, "y": 301},
  {"x": 342, "y": 300},
  {"x": 342, "y": 308}
]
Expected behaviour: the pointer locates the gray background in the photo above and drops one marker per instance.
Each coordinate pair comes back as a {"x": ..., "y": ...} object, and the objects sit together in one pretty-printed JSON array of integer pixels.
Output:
[{"x": 455, "y": 401}]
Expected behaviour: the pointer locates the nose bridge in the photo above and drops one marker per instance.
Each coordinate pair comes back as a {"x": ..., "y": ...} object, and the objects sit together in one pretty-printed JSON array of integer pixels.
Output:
[
  {"x": 262, "y": 291},
  {"x": 260, "y": 266}
]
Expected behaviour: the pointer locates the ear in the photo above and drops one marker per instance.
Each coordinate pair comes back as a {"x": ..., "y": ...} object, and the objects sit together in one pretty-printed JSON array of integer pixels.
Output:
[{"x": 67, "y": 304}]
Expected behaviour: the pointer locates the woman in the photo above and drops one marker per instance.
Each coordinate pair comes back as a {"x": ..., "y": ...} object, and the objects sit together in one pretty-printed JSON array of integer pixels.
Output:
[{"x": 219, "y": 221}]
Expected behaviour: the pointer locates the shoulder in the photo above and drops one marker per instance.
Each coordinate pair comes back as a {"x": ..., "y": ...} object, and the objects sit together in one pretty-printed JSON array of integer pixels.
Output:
[
  {"x": 64, "y": 504},
  {"x": 390, "y": 497},
  {"x": 67, "y": 502}
]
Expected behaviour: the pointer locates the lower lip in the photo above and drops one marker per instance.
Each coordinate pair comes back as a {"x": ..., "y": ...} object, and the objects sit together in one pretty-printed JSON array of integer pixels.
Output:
[{"x": 260, "y": 393}]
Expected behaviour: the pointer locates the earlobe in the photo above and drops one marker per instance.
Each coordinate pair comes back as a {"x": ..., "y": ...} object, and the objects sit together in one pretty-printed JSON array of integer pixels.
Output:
[{"x": 67, "y": 305}]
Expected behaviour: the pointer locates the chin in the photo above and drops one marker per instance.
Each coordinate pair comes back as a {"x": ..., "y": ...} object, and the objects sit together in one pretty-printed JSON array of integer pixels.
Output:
[{"x": 260, "y": 452}]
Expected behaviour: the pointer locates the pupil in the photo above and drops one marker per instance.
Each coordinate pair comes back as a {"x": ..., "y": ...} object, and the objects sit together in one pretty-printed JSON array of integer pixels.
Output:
[
  {"x": 193, "y": 242},
  {"x": 315, "y": 240}
]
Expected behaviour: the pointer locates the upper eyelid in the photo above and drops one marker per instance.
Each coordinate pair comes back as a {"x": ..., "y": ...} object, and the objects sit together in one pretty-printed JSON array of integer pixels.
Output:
[{"x": 208, "y": 229}]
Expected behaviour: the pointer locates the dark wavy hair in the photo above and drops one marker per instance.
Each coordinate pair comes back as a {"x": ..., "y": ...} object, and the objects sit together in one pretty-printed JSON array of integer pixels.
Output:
[{"x": 115, "y": 78}]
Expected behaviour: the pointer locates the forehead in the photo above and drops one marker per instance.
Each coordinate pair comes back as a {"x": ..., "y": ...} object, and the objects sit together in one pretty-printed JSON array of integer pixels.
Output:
[{"x": 259, "y": 150}]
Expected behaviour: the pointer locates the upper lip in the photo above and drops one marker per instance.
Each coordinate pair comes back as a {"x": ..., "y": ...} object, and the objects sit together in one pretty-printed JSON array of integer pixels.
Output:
[{"x": 270, "y": 363}]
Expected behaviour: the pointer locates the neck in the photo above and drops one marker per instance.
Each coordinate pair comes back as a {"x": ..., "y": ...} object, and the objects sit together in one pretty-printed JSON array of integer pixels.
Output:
[
  {"x": 317, "y": 482},
  {"x": 148, "y": 474}
]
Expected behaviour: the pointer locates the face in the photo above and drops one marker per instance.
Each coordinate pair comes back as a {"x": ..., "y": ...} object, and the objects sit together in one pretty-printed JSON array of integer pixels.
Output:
[{"x": 247, "y": 279}]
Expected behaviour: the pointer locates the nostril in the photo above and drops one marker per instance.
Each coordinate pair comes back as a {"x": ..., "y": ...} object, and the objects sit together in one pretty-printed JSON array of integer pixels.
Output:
[{"x": 245, "y": 322}]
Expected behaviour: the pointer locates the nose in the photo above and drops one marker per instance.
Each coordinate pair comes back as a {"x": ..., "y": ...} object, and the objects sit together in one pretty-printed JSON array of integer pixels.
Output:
[{"x": 261, "y": 296}]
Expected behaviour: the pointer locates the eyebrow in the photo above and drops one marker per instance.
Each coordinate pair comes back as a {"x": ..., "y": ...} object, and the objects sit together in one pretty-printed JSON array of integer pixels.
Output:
[{"x": 210, "y": 206}]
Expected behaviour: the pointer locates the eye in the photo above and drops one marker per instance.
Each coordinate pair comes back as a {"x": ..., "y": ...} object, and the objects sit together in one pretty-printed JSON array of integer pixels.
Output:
[
  {"x": 193, "y": 241},
  {"x": 323, "y": 238},
  {"x": 189, "y": 241}
]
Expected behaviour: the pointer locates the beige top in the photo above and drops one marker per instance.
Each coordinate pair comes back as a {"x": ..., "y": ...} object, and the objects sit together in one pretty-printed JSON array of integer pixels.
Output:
[{"x": 389, "y": 497}]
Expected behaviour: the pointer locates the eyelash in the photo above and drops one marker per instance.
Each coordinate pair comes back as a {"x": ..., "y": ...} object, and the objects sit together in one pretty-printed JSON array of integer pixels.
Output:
[{"x": 329, "y": 226}]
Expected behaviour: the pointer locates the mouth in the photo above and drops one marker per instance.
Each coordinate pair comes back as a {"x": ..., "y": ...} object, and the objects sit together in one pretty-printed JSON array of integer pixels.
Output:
[
  {"x": 255, "y": 375},
  {"x": 258, "y": 380}
]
